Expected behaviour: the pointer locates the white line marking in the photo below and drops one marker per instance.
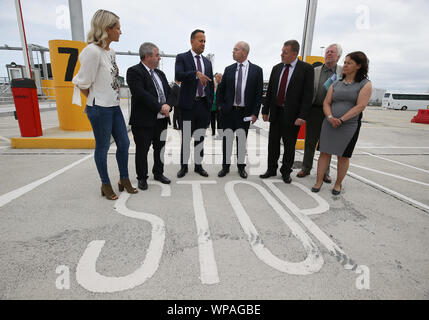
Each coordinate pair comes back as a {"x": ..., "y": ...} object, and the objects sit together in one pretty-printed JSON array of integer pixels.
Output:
[
  {"x": 362, "y": 147},
  {"x": 333, "y": 249},
  {"x": 4, "y": 138},
  {"x": 395, "y": 194},
  {"x": 314, "y": 260},
  {"x": 388, "y": 174},
  {"x": 397, "y": 162},
  {"x": 86, "y": 273},
  {"x": 8, "y": 197},
  {"x": 208, "y": 266}
]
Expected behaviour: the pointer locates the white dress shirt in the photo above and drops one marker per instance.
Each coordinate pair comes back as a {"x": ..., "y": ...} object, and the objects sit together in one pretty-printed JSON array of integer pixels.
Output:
[
  {"x": 291, "y": 69},
  {"x": 196, "y": 67},
  {"x": 158, "y": 79},
  {"x": 244, "y": 72}
]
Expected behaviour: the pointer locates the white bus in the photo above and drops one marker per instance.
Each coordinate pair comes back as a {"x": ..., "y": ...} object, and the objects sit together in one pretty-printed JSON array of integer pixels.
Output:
[{"x": 405, "y": 101}]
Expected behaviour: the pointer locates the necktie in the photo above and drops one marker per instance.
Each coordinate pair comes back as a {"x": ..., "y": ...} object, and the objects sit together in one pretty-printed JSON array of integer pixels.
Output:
[
  {"x": 161, "y": 97},
  {"x": 282, "y": 90},
  {"x": 238, "y": 89},
  {"x": 330, "y": 81},
  {"x": 200, "y": 86}
]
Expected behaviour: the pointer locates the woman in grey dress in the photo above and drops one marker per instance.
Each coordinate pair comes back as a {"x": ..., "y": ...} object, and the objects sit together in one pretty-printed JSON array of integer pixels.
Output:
[{"x": 343, "y": 106}]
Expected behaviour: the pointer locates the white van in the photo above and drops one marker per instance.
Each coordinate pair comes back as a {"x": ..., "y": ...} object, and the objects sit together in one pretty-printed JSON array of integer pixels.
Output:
[{"x": 405, "y": 101}]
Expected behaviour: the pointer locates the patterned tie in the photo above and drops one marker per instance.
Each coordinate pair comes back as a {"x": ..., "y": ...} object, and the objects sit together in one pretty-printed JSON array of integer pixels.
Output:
[
  {"x": 200, "y": 86},
  {"x": 238, "y": 89},
  {"x": 161, "y": 97},
  {"x": 282, "y": 90}
]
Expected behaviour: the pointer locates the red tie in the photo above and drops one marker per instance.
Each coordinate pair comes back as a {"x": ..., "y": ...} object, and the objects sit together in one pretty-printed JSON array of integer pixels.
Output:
[{"x": 282, "y": 90}]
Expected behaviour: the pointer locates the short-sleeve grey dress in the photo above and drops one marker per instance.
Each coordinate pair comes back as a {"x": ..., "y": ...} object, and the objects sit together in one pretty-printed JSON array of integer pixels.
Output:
[{"x": 341, "y": 141}]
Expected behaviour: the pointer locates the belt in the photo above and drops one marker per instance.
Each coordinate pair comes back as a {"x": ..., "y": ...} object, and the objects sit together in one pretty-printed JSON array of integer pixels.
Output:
[
  {"x": 238, "y": 108},
  {"x": 200, "y": 98}
]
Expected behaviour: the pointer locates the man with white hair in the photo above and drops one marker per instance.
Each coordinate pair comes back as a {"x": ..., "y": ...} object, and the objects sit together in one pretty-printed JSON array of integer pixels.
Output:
[
  {"x": 239, "y": 98},
  {"x": 324, "y": 76}
]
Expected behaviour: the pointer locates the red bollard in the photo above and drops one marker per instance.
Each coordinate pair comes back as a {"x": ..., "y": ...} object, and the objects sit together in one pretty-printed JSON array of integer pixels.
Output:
[{"x": 27, "y": 107}]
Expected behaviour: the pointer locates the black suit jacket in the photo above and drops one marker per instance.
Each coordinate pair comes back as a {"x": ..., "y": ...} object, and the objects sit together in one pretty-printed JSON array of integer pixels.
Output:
[
  {"x": 225, "y": 93},
  {"x": 144, "y": 97},
  {"x": 186, "y": 72},
  {"x": 299, "y": 94}
]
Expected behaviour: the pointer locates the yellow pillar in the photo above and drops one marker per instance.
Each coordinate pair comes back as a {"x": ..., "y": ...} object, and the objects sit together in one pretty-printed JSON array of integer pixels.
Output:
[{"x": 65, "y": 65}]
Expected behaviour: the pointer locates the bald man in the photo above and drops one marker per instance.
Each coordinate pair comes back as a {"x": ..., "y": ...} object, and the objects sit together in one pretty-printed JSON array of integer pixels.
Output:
[{"x": 239, "y": 99}]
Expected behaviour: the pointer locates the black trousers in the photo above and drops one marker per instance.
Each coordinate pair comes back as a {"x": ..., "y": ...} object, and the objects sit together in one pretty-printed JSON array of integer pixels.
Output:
[
  {"x": 234, "y": 126},
  {"x": 215, "y": 117},
  {"x": 177, "y": 118},
  {"x": 144, "y": 137},
  {"x": 197, "y": 118},
  {"x": 280, "y": 129}
]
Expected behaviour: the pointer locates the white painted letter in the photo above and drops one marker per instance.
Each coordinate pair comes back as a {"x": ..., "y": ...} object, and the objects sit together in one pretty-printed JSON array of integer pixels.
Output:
[{"x": 86, "y": 273}]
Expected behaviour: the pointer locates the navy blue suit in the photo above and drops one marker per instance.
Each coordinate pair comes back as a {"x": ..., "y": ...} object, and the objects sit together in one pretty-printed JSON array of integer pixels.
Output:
[
  {"x": 232, "y": 117},
  {"x": 194, "y": 111}
]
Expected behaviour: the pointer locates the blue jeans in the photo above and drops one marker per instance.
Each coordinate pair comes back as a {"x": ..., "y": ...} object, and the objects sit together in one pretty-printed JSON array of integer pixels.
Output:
[{"x": 106, "y": 122}]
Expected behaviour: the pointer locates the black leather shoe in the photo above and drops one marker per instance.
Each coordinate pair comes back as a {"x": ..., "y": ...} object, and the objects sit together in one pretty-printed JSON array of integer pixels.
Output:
[
  {"x": 223, "y": 172},
  {"x": 142, "y": 184},
  {"x": 182, "y": 172},
  {"x": 242, "y": 172},
  {"x": 161, "y": 178},
  {"x": 268, "y": 174},
  {"x": 201, "y": 172},
  {"x": 286, "y": 178}
]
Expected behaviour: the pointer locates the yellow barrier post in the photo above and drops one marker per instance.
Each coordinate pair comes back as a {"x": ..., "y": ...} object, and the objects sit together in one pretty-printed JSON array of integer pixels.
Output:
[{"x": 65, "y": 64}]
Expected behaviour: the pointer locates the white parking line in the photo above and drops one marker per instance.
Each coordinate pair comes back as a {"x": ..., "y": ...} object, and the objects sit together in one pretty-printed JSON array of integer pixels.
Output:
[
  {"x": 397, "y": 162},
  {"x": 388, "y": 174},
  {"x": 393, "y": 193},
  {"x": 8, "y": 197}
]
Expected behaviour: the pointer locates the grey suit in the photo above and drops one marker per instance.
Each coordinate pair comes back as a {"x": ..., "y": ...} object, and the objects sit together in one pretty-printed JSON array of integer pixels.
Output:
[{"x": 316, "y": 115}]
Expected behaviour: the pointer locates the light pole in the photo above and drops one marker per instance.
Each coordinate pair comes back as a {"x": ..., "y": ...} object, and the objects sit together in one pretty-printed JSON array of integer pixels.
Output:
[{"x": 322, "y": 50}]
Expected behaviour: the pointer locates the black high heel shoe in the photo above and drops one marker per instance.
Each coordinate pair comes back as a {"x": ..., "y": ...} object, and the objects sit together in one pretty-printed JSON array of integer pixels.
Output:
[
  {"x": 335, "y": 192},
  {"x": 315, "y": 190}
]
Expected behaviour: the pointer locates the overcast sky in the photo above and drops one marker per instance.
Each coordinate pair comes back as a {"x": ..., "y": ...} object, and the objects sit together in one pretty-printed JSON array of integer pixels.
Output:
[{"x": 393, "y": 33}]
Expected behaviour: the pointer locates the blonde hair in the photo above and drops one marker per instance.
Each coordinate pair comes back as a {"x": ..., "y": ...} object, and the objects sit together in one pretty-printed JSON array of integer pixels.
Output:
[{"x": 101, "y": 20}]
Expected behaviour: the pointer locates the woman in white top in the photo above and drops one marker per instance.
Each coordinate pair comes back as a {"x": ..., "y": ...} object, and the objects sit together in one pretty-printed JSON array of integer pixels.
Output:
[{"x": 98, "y": 80}]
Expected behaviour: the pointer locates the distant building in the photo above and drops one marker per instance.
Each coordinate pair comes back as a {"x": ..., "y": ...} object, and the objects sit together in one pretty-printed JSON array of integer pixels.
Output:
[{"x": 376, "y": 97}]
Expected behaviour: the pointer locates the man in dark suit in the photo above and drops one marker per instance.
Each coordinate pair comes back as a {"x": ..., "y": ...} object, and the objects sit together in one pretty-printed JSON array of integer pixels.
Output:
[
  {"x": 196, "y": 97},
  {"x": 239, "y": 98},
  {"x": 288, "y": 103},
  {"x": 150, "y": 107}
]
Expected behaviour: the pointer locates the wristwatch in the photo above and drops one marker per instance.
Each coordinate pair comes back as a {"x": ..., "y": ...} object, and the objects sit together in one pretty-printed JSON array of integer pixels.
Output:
[{"x": 330, "y": 117}]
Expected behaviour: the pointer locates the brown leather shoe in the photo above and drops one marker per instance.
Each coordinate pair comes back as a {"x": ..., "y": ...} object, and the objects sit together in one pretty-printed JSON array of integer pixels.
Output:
[
  {"x": 126, "y": 184},
  {"x": 303, "y": 174},
  {"x": 327, "y": 178},
  {"x": 107, "y": 191}
]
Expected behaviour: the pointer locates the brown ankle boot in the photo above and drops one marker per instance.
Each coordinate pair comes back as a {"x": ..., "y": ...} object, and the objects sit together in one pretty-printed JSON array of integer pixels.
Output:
[
  {"x": 107, "y": 191},
  {"x": 126, "y": 184}
]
